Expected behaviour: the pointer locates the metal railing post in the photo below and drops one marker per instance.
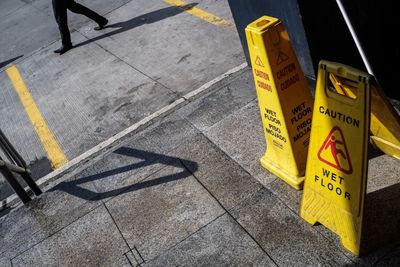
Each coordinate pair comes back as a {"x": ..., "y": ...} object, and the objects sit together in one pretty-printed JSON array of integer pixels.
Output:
[
  {"x": 18, "y": 189},
  {"x": 19, "y": 166}
]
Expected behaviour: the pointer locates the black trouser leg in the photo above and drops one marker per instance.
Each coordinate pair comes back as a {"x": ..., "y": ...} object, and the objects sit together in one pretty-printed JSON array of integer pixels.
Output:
[
  {"x": 60, "y": 14},
  {"x": 80, "y": 9}
]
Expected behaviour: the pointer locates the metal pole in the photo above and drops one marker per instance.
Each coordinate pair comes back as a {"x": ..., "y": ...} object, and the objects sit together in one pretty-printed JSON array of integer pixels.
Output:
[
  {"x": 12, "y": 167},
  {"x": 355, "y": 38},
  {"x": 18, "y": 189},
  {"x": 31, "y": 183},
  {"x": 19, "y": 167},
  {"x": 25, "y": 174},
  {"x": 3, "y": 146},
  {"x": 16, "y": 157}
]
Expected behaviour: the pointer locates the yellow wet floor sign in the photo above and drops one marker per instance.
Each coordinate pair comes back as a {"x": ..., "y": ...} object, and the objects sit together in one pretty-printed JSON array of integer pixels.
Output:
[
  {"x": 336, "y": 174},
  {"x": 385, "y": 121},
  {"x": 284, "y": 98}
]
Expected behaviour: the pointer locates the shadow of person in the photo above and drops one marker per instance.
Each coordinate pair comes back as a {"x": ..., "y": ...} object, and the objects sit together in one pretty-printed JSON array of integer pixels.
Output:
[
  {"x": 5, "y": 63},
  {"x": 140, "y": 20}
]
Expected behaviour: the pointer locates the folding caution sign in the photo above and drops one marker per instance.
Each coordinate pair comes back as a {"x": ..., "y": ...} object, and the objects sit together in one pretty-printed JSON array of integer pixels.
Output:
[
  {"x": 385, "y": 121},
  {"x": 284, "y": 98},
  {"x": 336, "y": 174}
]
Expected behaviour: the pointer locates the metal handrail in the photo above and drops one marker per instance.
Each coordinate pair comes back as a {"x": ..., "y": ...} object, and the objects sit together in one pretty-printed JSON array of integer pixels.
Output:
[{"x": 18, "y": 166}]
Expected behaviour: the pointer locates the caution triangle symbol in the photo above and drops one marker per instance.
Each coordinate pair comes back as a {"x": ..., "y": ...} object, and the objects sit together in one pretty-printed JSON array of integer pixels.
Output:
[
  {"x": 334, "y": 151},
  {"x": 281, "y": 57},
  {"x": 259, "y": 62}
]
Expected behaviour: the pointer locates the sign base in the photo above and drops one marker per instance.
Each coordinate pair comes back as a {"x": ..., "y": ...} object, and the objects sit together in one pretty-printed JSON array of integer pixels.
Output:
[{"x": 292, "y": 180}]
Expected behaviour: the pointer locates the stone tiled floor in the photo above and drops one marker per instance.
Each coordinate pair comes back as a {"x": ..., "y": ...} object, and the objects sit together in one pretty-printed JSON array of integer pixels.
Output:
[{"x": 188, "y": 191}]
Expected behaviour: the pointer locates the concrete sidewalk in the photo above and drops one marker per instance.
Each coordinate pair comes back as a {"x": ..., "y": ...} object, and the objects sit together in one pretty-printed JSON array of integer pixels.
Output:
[
  {"x": 189, "y": 191},
  {"x": 152, "y": 53}
]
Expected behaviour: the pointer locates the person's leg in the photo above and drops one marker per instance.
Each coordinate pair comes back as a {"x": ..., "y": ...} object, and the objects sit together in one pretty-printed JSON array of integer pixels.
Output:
[
  {"x": 80, "y": 9},
  {"x": 60, "y": 14}
]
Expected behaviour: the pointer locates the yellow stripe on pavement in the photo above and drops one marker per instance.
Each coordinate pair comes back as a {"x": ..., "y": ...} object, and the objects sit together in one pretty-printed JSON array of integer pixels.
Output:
[
  {"x": 200, "y": 13},
  {"x": 50, "y": 144}
]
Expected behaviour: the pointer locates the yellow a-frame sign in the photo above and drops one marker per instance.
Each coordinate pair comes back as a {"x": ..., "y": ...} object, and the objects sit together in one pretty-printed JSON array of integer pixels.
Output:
[
  {"x": 385, "y": 121},
  {"x": 336, "y": 174}
]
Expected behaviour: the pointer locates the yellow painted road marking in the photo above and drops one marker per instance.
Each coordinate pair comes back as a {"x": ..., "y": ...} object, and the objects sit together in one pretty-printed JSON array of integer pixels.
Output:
[
  {"x": 201, "y": 13},
  {"x": 50, "y": 144}
]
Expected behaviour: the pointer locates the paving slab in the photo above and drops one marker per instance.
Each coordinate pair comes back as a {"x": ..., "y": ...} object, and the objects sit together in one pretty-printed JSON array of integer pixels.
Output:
[
  {"x": 34, "y": 20},
  {"x": 9, "y": 60},
  {"x": 173, "y": 47},
  {"x": 45, "y": 215},
  {"x": 381, "y": 212},
  {"x": 381, "y": 209},
  {"x": 227, "y": 181},
  {"x": 138, "y": 157},
  {"x": 10, "y": 6},
  {"x": 101, "y": 7},
  {"x": 16, "y": 125},
  {"x": 206, "y": 111},
  {"x": 241, "y": 136},
  {"x": 5, "y": 262},
  {"x": 229, "y": 138},
  {"x": 94, "y": 107},
  {"x": 93, "y": 92},
  {"x": 164, "y": 136},
  {"x": 221, "y": 243},
  {"x": 283, "y": 235},
  {"x": 142, "y": 155},
  {"x": 117, "y": 172},
  {"x": 162, "y": 211},
  {"x": 286, "y": 193},
  {"x": 93, "y": 240},
  {"x": 220, "y": 9},
  {"x": 27, "y": 29},
  {"x": 383, "y": 171}
]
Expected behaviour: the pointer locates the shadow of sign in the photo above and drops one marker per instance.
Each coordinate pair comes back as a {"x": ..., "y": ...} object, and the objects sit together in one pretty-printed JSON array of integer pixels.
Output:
[
  {"x": 381, "y": 219},
  {"x": 74, "y": 187}
]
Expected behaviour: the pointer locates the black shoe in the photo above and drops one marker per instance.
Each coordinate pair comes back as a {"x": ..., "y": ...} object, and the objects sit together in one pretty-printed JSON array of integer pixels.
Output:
[
  {"x": 63, "y": 49},
  {"x": 101, "y": 25}
]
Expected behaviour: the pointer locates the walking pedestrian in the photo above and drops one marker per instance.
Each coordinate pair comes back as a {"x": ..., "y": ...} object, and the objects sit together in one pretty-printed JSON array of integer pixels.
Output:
[{"x": 60, "y": 13}]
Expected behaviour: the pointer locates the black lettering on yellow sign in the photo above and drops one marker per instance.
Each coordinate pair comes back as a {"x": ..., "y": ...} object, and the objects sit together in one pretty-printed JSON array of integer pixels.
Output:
[
  {"x": 339, "y": 116},
  {"x": 270, "y": 112},
  {"x": 303, "y": 127},
  {"x": 283, "y": 73},
  {"x": 303, "y": 132},
  {"x": 272, "y": 129},
  {"x": 333, "y": 176},
  {"x": 271, "y": 116},
  {"x": 332, "y": 182},
  {"x": 300, "y": 115},
  {"x": 292, "y": 80}
]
